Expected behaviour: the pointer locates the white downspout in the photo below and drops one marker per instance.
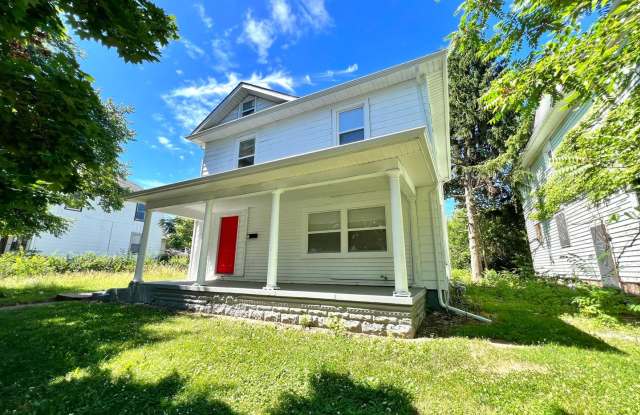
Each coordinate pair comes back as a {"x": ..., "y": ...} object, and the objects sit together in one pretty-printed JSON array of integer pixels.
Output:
[{"x": 445, "y": 303}]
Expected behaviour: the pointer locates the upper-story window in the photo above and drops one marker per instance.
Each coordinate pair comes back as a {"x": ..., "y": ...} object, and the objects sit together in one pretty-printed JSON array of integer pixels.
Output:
[
  {"x": 246, "y": 152},
  {"x": 351, "y": 125},
  {"x": 248, "y": 107},
  {"x": 139, "y": 215}
]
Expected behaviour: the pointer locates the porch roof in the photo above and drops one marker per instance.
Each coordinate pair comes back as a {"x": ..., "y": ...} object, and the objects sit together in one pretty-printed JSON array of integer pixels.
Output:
[{"x": 407, "y": 150}]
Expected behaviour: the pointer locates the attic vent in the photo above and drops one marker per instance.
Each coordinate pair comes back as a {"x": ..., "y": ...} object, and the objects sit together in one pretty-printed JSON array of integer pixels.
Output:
[{"x": 248, "y": 107}]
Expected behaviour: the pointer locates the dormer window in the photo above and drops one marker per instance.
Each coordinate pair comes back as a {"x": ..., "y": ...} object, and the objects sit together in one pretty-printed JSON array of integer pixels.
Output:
[
  {"x": 248, "y": 107},
  {"x": 246, "y": 152}
]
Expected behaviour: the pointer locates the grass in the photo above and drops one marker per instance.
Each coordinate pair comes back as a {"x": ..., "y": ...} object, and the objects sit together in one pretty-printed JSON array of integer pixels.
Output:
[
  {"x": 21, "y": 290},
  {"x": 106, "y": 358}
]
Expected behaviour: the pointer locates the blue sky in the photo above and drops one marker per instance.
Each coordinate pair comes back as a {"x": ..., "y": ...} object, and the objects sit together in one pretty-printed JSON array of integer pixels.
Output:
[{"x": 296, "y": 46}]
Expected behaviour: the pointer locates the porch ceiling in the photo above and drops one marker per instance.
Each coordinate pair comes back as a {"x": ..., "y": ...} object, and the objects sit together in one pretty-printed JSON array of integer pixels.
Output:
[{"x": 406, "y": 149}]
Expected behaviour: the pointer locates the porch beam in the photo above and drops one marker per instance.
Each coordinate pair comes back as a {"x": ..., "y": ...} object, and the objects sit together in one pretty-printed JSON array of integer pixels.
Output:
[
  {"x": 204, "y": 243},
  {"x": 274, "y": 230},
  {"x": 142, "y": 249},
  {"x": 397, "y": 236}
]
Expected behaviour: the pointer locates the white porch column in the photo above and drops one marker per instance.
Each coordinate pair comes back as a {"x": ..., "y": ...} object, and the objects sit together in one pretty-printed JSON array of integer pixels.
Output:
[
  {"x": 397, "y": 236},
  {"x": 204, "y": 244},
  {"x": 274, "y": 230},
  {"x": 142, "y": 250},
  {"x": 194, "y": 254}
]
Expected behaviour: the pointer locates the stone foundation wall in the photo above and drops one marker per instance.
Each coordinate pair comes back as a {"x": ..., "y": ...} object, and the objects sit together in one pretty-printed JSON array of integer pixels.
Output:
[{"x": 367, "y": 318}]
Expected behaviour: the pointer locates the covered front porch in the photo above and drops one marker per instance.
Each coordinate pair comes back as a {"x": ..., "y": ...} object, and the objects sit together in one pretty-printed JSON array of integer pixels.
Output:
[{"x": 351, "y": 226}]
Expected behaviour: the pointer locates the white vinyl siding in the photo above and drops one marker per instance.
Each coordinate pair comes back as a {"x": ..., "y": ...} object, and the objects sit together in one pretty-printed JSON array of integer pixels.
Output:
[
  {"x": 99, "y": 232},
  {"x": 296, "y": 265},
  {"x": 392, "y": 109},
  {"x": 579, "y": 256}
]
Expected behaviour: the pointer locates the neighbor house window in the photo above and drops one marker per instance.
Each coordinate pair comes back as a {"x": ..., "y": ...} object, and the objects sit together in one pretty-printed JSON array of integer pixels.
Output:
[
  {"x": 246, "y": 152},
  {"x": 248, "y": 107},
  {"x": 563, "y": 233},
  {"x": 538, "y": 228},
  {"x": 351, "y": 125},
  {"x": 347, "y": 231},
  {"x": 139, "y": 215},
  {"x": 67, "y": 207},
  {"x": 324, "y": 230},
  {"x": 134, "y": 242},
  {"x": 367, "y": 229}
]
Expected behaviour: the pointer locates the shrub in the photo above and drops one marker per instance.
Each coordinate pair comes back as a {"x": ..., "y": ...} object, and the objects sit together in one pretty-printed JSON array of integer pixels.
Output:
[
  {"x": 306, "y": 320},
  {"x": 21, "y": 264},
  {"x": 605, "y": 304}
]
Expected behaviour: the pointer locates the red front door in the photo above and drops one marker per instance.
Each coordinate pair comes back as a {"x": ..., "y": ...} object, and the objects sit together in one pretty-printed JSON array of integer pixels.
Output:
[{"x": 227, "y": 245}]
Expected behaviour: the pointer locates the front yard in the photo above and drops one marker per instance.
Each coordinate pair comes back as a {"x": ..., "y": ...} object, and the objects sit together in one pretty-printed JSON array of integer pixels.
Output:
[{"x": 539, "y": 356}]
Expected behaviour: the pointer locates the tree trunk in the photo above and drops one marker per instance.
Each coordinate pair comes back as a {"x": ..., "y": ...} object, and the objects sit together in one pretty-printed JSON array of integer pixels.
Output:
[{"x": 474, "y": 234}]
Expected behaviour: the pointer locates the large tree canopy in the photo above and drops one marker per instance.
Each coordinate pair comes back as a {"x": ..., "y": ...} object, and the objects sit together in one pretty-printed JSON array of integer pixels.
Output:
[
  {"x": 580, "y": 52},
  {"x": 59, "y": 143}
]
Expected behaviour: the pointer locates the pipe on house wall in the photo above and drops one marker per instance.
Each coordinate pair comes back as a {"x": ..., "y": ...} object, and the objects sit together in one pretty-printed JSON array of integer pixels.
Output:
[{"x": 444, "y": 303}]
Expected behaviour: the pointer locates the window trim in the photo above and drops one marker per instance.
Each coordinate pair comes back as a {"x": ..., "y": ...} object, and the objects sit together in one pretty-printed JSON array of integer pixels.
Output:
[
  {"x": 241, "y": 112},
  {"x": 364, "y": 104},
  {"x": 344, "y": 232},
  {"x": 238, "y": 158}
]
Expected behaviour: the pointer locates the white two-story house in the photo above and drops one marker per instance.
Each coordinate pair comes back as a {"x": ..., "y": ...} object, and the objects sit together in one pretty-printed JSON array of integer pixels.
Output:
[
  {"x": 324, "y": 206},
  {"x": 599, "y": 243},
  {"x": 95, "y": 231}
]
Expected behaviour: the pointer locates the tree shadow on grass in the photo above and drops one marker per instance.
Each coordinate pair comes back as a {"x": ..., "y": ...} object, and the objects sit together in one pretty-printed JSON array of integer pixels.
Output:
[
  {"x": 41, "y": 345},
  {"x": 333, "y": 393},
  {"x": 527, "y": 313},
  {"x": 99, "y": 392}
]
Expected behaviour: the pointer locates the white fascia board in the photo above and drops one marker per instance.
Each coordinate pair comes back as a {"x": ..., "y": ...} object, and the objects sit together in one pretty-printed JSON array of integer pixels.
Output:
[{"x": 548, "y": 126}]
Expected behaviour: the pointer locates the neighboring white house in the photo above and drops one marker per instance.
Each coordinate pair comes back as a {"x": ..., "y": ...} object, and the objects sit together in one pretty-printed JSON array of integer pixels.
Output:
[
  {"x": 331, "y": 201},
  {"x": 581, "y": 240},
  {"x": 96, "y": 231}
]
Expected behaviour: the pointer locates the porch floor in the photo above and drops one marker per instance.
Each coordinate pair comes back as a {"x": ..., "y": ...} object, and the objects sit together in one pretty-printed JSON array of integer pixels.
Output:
[{"x": 336, "y": 292}]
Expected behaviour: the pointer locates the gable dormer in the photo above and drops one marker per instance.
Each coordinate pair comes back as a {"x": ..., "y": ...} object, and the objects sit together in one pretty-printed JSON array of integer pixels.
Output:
[{"x": 244, "y": 100}]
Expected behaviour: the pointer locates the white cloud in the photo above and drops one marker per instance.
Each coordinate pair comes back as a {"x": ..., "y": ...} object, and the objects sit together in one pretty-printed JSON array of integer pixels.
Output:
[
  {"x": 202, "y": 13},
  {"x": 315, "y": 14},
  {"x": 192, "y": 103},
  {"x": 259, "y": 34},
  {"x": 289, "y": 21},
  {"x": 283, "y": 16},
  {"x": 222, "y": 54},
  {"x": 147, "y": 183},
  {"x": 194, "y": 51},
  {"x": 179, "y": 72},
  {"x": 332, "y": 73},
  {"x": 166, "y": 143},
  {"x": 181, "y": 157}
]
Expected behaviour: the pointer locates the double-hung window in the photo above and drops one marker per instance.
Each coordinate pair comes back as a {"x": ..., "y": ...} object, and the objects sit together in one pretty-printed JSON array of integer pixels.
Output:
[
  {"x": 246, "y": 152},
  {"x": 324, "y": 232},
  {"x": 367, "y": 229},
  {"x": 134, "y": 242},
  {"x": 347, "y": 231},
  {"x": 248, "y": 107},
  {"x": 351, "y": 125},
  {"x": 139, "y": 215}
]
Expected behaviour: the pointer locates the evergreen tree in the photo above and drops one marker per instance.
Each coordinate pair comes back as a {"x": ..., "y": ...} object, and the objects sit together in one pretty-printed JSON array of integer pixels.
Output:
[{"x": 474, "y": 140}]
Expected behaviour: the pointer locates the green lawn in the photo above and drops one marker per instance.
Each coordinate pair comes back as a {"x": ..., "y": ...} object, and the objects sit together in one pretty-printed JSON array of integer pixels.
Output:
[
  {"x": 20, "y": 290},
  {"x": 105, "y": 358}
]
